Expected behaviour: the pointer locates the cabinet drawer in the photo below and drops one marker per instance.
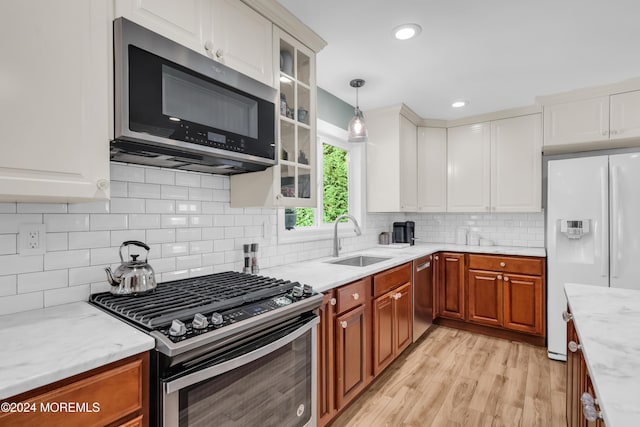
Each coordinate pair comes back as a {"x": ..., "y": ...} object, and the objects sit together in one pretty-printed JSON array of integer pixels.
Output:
[
  {"x": 521, "y": 265},
  {"x": 104, "y": 398},
  {"x": 394, "y": 277},
  {"x": 351, "y": 295}
]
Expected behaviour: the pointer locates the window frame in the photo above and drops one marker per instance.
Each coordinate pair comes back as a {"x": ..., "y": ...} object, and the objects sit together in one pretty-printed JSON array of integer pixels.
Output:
[{"x": 328, "y": 132}]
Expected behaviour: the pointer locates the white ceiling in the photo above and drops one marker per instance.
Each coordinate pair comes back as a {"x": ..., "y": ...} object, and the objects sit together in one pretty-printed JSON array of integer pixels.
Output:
[{"x": 497, "y": 54}]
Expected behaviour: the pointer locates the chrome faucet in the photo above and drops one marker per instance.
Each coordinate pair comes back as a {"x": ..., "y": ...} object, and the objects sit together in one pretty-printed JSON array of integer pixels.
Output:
[{"x": 336, "y": 244}]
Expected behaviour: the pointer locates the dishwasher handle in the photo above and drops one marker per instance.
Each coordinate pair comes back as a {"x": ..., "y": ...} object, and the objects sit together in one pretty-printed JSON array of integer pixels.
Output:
[{"x": 423, "y": 266}]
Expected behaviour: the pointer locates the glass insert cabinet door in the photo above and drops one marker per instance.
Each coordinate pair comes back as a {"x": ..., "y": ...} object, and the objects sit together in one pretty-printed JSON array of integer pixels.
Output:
[{"x": 297, "y": 122}]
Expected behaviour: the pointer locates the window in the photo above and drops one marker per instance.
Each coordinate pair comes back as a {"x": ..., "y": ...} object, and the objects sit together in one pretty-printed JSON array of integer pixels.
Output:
[{"x": 339, "y": 172}]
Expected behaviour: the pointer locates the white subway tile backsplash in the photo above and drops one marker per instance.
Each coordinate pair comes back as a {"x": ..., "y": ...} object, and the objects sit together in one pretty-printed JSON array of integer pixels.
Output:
[
  {"x": 122, "y": 172},
  {"x": 201, "y": 247},
  {"x": 160, "y": 206},
  {"x": 57, "y": 242},
  {"x": 101, "y": 206},
  {"x": 67, "y": 259},
  {"x": 233, "y": 232},
  {"x": 66, "y": 295},
  {"x": 221, "y": 195},
  {"x": 223, "y": 245},
  {"x": 212, "y": 233},
  {"x": 144, "y": 221},
  {"x": 159, "y": 176},
  {"x": 161, "y": 236},
  {"x": 16, "y": 264},
  {"x": 21, "y": 302},
  {"x": 175, "y": 275},
  {"x": 128, "y": 206},
  {"x": 213, "y": 259},
  {"x": 188, "y": 207},
  {"x": 8, "y": 244},
  {"x": 117, "y": 237},
  {"x": 174, "y": 221},
  {"x": 175, "y": 249},
  {"x": 86, "y": 275},
  {"x": 10, "y": 223},
  {"x": 164, "y": 265},
  {"x": 89, "y": 239},
  {"x": 223, "y": 220},
  {"x": 200, "y": 271},
  {"x": 213, "y": 181},
  {"x": 144, "y": 191},
  {"x": 173, "y": 192},
  {"x": 41, "y": 281},
  {"x": 109, "y": 221},
  {"x": 186, "y": 262},
  {"x": 105, "y": 256},
  {"x": 188, "y": 179},
  {"x": 118, "y": 189},
  {"x": 8, "y": 285},
  {"x": 66, "y": 222},
  {"x": 100, "y": 287},
  {"x": 42, "y": 208},
  {"x": 200, "y": 220},
  {"x": 188, "y": 234},
  {"x": 212, "y": 207},
  {"x": 202, "y": 194}
]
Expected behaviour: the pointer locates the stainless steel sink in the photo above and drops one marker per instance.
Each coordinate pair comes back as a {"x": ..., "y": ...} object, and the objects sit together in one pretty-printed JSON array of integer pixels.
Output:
[{"x": 359, "y": 260}]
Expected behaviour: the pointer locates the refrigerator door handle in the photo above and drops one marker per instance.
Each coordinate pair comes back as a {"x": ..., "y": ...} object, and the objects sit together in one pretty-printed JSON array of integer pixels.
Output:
[
  {"x": 604, "y": 207},
  {"x": 615, "y": 223}
]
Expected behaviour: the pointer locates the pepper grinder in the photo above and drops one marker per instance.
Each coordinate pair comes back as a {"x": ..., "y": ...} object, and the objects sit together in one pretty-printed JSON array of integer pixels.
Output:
[
  {"x": 247, "y": 259},
  {"x": 254, "y": 258}
]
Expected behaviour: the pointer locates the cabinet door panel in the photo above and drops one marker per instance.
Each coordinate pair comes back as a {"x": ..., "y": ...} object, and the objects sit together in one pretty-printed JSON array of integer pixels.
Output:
[
  {"x": 326, "y": 374},
  {"x": 383, "y": 343},
  {"x": 432, "y": 169},
  {"x": 485, "y": 297},
  {"x": 452, "y": 286},
  {"x": 516, "y": 170},
  {"x": 403, "y": 319},
  {"x": 408, "y": 166},
  {"x": 469, "y": 168},
  {"x": 350, "y": 354},
  {"x": 523, "y": 302},
  {"x": 625, "y": 115},
  {"x": 575, "y": 122}
]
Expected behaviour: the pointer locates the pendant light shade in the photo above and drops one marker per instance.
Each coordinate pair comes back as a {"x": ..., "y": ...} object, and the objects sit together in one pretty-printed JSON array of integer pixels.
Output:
[{"x": 357, "y": 127}]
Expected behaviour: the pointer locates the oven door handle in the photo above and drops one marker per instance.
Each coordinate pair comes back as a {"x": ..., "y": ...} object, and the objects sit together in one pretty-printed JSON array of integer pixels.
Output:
[{"x": 213, "y": 371}]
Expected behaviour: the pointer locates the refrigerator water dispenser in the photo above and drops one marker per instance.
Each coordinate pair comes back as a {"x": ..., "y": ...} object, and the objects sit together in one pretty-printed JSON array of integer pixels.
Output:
[{"x": 574, "y": 228}]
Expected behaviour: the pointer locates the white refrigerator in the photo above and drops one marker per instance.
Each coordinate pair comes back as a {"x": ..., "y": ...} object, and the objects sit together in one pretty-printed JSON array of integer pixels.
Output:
[{"x": 593, "y": 231}]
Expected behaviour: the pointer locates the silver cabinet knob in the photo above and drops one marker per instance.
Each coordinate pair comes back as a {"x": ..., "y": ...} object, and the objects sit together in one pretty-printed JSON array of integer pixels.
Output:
[
  {"x": 343, "y": 324},
  {"x": 199, "y": 321},
  {"x": 437, "y": 258},
  {"x": 566, "y": 316},
  {"x": 573, "y": 346},
  {"x": 502, "y": 264},
  {"x": 506, "y": 279},
  {"x": 499, "y": 276},
  {"x": 589, "y": 410},
  {"x": 332, "y": 301},
  {"x": 177, "y": 329},
  {"x": 208, "y": 45},
  {"x": 398, "y": 296},
  {"x": 356, "y": 296}
]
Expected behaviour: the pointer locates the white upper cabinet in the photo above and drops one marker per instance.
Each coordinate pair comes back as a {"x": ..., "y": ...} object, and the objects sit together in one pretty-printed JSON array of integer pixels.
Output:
[
  {"x": 469, "y": 168},
  {"x": 241, "y": 39},
  {"x": 391, "y": 161},
  {"x": 227, "y": 31},
  {"x": 516, "y": 169},
  {"x": 432, "y": 169},
  {"x": 586, "y": 120},
  {"x": 184, "y": 21},
  {"x": 625, "y": 115},
  {"x": 56, "y": 100}
]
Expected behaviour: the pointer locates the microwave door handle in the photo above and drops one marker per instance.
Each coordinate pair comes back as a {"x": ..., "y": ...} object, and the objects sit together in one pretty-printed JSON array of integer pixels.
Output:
[
  {"x": 213, "y": 371},
  {"x": 604, "y": 207}
]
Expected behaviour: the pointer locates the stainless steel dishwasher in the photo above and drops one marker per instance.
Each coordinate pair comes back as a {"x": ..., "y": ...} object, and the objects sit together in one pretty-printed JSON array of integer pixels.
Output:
[{"x": 422, "y": 296}]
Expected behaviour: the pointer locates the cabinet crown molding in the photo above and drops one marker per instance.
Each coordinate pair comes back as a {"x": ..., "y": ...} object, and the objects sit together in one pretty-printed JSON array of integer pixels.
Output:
[{"x": 589, "y": 92}]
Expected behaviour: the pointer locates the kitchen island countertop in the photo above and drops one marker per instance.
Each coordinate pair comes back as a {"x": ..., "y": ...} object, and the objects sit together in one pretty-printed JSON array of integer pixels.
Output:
[
  {"x": 323, "y": 276},
  {"x": 43, "y": 346},
  {"x": 607, "y": 321}
]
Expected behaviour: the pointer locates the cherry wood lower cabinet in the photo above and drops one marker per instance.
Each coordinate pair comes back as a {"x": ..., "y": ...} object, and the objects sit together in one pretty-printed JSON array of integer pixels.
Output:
[
  {"x": 485, "y": 297},
  {"x": 392, "y": 326},
  {"x": 578, "y": 382},
  {"x": 326, "y": 368},
  {"x": 450, "y": 283},
  {"x": 115, "y": 395},
  {"x": 350, "y": 355}
]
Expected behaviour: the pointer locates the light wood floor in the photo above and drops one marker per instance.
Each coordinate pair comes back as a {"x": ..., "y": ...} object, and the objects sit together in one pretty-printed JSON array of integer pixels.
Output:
[{"x": 459, "y": 379}]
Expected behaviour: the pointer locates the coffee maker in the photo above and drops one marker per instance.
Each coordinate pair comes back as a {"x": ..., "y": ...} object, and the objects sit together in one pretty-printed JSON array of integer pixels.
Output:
[{"x": 404, "y": 232}]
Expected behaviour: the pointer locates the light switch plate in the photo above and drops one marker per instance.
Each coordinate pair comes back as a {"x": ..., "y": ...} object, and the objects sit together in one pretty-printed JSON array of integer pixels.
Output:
[{"x": 32, "y": 239}]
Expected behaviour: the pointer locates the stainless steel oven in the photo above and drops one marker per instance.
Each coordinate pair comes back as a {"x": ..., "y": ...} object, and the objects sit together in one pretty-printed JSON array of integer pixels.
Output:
[
  {"x": 232, "y": 350},
  {"x": 266, "y": 382}
]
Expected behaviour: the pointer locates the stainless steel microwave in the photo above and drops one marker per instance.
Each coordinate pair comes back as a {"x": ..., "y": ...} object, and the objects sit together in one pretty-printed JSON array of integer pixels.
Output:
[{"x": 179, "y": 109}]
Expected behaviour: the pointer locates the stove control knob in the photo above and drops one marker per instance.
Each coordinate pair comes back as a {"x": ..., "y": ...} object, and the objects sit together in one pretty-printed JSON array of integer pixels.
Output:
[
  {"x": 177, "y": 329},
  {"x": 199, "y": 321},
  {"x": 307, "y": 290},
  {"x": 297, "y": 291},
  {"x": 216, "y": 319}
]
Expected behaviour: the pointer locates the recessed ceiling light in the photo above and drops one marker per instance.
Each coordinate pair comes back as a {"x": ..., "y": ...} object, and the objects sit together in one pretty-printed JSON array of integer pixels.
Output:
[
  {"x": 407, "y": 31},
  {"x": 459, "y": 104}
]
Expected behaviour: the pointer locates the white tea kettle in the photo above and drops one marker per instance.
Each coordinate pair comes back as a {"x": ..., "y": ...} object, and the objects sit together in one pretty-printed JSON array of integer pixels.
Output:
[{"x": 132, "y": 277}]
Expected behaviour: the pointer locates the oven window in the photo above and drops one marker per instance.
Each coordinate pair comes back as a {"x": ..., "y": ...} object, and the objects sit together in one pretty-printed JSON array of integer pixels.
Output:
[
  {"x": 197, "y": 100},
  {"x": 274, "y": 390}
]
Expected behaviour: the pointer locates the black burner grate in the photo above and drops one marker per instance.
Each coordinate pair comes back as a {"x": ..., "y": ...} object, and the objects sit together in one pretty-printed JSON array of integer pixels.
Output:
[{"x": 182, "y": 299}]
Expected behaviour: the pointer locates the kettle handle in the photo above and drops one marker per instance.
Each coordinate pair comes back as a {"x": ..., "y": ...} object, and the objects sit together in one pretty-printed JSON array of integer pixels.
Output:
[{"x": 135, "y": 243}]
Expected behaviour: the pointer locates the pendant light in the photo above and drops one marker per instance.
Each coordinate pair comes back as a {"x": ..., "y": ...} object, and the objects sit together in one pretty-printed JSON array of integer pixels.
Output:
[{"x": 357, "y": 127}]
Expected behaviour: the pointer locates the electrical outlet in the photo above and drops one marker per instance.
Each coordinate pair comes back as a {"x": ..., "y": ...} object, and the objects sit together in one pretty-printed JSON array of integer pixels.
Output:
[{"x": 32, "y": 238}]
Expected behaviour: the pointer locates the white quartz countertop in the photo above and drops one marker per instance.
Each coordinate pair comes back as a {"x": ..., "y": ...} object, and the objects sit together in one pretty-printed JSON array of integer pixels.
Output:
[
  {"x": 40, "y": 347},
  {"x": 608, "y": 324},
  {"x": 322, "y": 275}
]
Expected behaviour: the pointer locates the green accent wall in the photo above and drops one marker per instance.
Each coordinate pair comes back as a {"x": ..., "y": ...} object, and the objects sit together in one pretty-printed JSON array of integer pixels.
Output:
[{"x": 333, "y": 110}]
